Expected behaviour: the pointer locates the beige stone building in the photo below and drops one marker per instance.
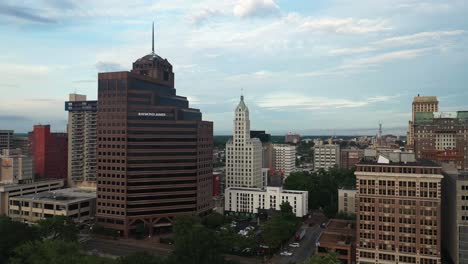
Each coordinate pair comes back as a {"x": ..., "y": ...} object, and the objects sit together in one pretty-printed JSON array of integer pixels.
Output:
[
  {"x": 420, "y": 104},
  {"x": 347, "y": 200}
]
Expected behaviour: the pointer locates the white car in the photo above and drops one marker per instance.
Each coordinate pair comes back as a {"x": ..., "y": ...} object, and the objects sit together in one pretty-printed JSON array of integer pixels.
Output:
[
  {"x": 285, "y": 253},
  {"x": 295, "y": 245}
]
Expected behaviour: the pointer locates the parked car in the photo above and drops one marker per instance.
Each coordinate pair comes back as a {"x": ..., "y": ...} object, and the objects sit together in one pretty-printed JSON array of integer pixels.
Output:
[
  {"x": 295, "y": 245},
  {"x": 285, "y": 253}
]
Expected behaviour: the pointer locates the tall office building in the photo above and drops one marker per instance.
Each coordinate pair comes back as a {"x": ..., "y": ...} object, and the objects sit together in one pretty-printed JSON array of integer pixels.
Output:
[
  {"x": 398, "y": 210},
  {"x": 243, "y": 154},
  {"x": 82, "y": 140},
  {"x": 49, "y": 151},
  {"x": 425, "y": 104},
  {"x": 155, "y": 154},
  {"x": 326, "y": 156},
  {"x": 6, "y": 139},
  {"x": 267, "y": 147},
  {"x": 455, "y": 212},
  {"x": 442, "y": 137},
  {"x": 284, "y": 158}
]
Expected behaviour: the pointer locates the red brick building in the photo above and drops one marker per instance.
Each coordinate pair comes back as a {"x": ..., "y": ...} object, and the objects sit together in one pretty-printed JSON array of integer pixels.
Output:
[{"x": 49, "y": 151}]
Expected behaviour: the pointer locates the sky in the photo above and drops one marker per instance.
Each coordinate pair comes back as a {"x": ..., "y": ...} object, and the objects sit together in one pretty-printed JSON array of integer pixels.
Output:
[{"x": 311, "y": 67}]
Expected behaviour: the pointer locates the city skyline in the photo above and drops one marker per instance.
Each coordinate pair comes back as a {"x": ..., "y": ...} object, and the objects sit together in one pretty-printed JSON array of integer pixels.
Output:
[{"x": 331, "y": 66}]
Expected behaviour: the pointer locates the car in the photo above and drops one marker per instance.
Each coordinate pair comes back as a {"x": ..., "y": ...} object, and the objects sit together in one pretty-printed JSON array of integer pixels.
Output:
[
  {"x": 295, "y": 245},
  {"x": 285, "y": 253}
]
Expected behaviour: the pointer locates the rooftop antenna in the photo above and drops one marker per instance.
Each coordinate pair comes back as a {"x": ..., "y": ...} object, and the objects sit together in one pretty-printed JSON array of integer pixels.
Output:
[
  {"x": 242, "y": 93},
  {"x": 152, "y": 46}
]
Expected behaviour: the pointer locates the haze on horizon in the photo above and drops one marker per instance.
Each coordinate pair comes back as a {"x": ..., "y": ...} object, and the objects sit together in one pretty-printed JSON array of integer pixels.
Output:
[{"x": 313, "y": 67}]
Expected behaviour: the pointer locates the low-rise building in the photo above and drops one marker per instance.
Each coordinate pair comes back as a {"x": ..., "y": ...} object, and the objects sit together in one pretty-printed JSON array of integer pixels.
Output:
[
  {"x": 349, "y": 157},
  {"x": 339, "y": 236},
  {"x": 326, "y": 156},
  {"x": 77, "y": 203},
  {"x": 250, "y": 200},
  {"x": 10, "y": 190},
  {"x": 346, "y": 200},
  {"x": 15, "y": 167}
]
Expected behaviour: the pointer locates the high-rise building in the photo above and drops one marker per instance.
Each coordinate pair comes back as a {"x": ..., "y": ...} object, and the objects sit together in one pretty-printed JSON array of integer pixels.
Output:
[
  {"x": 267, "y": 147},
  {"x": 398, "y": 210},
  {"x": 82, "y": 140},
  {"x": 155, "y": 154},
  {"x": 284, "y": 158},
  {"x": 49, "y": 151},
  {"x": 22, "y": 142},
  {"x": 243, "y": 154},
  {"x": 442, "y": 137},
  {"x": 15, "y": 167},
  {"x": 455, "y": 214},
  {"x": 6, "y": 139},
  {"x": 425, "y": 104},
  {"x": 326, "y": 156}
]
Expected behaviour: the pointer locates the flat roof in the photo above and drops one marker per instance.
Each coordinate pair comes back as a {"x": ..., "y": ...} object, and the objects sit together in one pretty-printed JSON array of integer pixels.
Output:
[
  {"x": 417, "y": 163},
  {"x": 425, "y": 99},
  {"x": 337, "y": 239},
  {"x": 66, "y": 196},
  {"x": 26, "y": 185}
]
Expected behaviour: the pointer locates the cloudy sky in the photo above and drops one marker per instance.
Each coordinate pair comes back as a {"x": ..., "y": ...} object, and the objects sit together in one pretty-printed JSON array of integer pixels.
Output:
[{"x": 335, "y": 66}]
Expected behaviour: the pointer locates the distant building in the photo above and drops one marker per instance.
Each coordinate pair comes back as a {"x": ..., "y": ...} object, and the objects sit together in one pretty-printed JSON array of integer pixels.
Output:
[
  {"x": 347, "y": 200},
  {"x": 292, "y": 138},
  {"x": 442, "y": 137},
  {"x": 249, "y": 200},
  {"x": 284, "y": 158},
  {"x": 82, "y": 141},
  {"x": 23, "y": 144},
  {"x": 243, "y": 154},
  {"x": 267, "y": 147},
  {"x": 398, "y": 210},
  {"x": 349, "y": 157},
  {"x": 326, "y": 156},
  {"x": 455, "y": 214},
  {"x": 77, "y": 204},
  {"x": 49, "y": 151},
  {"x": 424, "y": 104},
  {"x": 6, "y": 139},
  {"x": 8, "y": 190},
  {"x": 15, "y": 167},
  {"x": 339, "y": 236}
]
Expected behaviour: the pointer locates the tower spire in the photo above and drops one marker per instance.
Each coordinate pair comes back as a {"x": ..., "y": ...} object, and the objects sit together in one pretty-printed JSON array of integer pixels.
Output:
[{"x": 152, "y": 43}]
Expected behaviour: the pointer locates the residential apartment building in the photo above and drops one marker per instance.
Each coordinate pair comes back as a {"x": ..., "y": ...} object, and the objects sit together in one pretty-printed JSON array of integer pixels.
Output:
[
  {"x": 243, "y": 154},
  {"x": 6, "y": 139},
  {"x": 155, "y": 153},
  {"x": 326, "y": 156},
  {"x": 424, "y": 104},
  {"x": 442, "y": 137},
  {"x": 49, "y": 151},
  {"x": 398, "y": 210},
  {"x": 284, "y": 158},
  {"x": 250, "y": 200},
  {"x": 349, "y": 157},
  {"x": 79, "y": 204},
  {"x": 455, "y": 214},
  {"x": 82, "y": 141},
  {"x": 15, "y": 167},
  {"x": 347, "y": 200}
]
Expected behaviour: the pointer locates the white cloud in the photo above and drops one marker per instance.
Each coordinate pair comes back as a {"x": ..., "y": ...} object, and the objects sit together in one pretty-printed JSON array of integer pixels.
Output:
[
  {"x": 24, "y": 70},
  {"x": 258, "y": 75},
  {"x": 418, "y": 38},
  {"x": 256, "y": 8},
  {"x": 350, "y": 51},
  {"x": 345, "y": 25},
  {"x": 205, "y": 14},
  {"x": 300, "y": 101}
]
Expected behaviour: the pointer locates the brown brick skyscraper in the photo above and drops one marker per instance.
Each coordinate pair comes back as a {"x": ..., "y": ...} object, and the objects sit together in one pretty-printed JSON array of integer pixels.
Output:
[{"x": 154, "y": 152}]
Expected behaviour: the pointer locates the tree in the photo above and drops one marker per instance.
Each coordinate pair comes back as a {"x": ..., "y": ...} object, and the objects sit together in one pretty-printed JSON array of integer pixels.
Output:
[
  {"x": 58, "y": 227},
  {"x": 141, "y": 258},
  {"x": 331, "y": 258},
  {"x": 287, "y": 211},
  {"x": 213, "y": 220},
  {"x": 13, "y": 234}
]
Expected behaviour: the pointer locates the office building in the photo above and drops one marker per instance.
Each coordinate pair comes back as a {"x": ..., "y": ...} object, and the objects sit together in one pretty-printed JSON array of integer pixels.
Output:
[
  {"x": 442, "y": 137},
  {"x": 347, "y": 200},
  {"x": 326, "y": 156},
  {"x": 6, "y": 139},
  {"x": 267, "y": 147},
  {"x": 284, "y": 158},
  {"x": 349, "y": 157},
  {"x": 155, "y": 154},
  {"x": 292, "y": 138},
  {"x": 455, "y": 214},
  {"x": 398, "y": 210},
  {"x": 15, "y": 167},
  {"x": 22, "y": 143},
  {"x": 243, "y": 154},
  {"x": 76, "y": 203},
  {"x": 82, "y": 140},
  {"x": 49, "y": 151},
  {"x": 250, "y": 200},
  {"x": 422, "y": 104},
  {"x": 8, "y": 190},
  {"x": 339, "y": 236}
]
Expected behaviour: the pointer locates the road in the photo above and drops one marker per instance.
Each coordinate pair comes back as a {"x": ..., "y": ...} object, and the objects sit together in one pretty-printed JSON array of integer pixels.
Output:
[{"x": 306, "y": 249}]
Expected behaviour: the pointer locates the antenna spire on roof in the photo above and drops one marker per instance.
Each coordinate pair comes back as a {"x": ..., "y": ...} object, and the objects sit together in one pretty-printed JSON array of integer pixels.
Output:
[{"x": 152, "y": 46}]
